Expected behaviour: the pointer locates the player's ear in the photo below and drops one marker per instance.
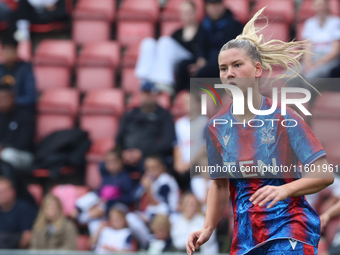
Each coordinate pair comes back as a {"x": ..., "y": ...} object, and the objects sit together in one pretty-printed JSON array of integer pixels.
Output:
[{"x": 258, "y": 71}]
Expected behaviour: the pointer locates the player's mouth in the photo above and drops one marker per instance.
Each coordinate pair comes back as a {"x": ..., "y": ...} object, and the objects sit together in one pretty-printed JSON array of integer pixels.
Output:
[{"x": 232, "y": 83}]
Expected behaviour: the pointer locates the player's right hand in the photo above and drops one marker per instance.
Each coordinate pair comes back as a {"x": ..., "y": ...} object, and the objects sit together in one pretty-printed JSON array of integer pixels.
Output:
[{"x": 196, "y": 239}]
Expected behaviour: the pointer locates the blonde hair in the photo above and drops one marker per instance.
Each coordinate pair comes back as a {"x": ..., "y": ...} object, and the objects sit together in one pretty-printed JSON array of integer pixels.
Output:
[
  {"x": 160, "y": 221},
  {"x": 41, "y": 220},
  {"x": 273, "y": 52}
]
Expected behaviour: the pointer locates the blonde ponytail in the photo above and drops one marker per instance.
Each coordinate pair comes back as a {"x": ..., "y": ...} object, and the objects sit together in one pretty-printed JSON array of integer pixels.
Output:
[{"x": 273, "y": 52}]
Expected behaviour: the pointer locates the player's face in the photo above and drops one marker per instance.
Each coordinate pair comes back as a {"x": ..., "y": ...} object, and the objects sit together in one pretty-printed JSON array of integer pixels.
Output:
[{"x": 237, "y": 69}]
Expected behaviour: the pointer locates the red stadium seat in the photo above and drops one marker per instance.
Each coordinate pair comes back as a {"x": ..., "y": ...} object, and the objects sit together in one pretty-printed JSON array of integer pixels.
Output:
[
  {"x": 91, "y": 78},
  {"x": 25, "y": 51},
  {"x": 146, "y": 10},
  {"x": 93, "y": 177},
  {"x": 86, "y": 31},
  {"x": 47, "y": 124},
  {"x": 101, "y": 54},
  {"x": 55, "y": 53},
  {"x": 276, "y": 11},
  {"x": 95, "y": 10},
  {"x": 99, "y": 127},
  {"x": 169, "y": 27},
  {"x": 98, "y": 149},
  {"x": 83, "y": 243},
  {"x": 163, "y": 100},
  {"x": 326, "y": 129},
  {"x": 171, "y": 10},
  {"x": 306, "y": 9},
  {"x": 59, "y": 101},
  {"x": 49, "y": 77},
  {"x": 278, "y": 31},
  {"x": 37, "y": 192},
  {"x": 132, "y": 32},
  {"x": 92, "y": 20},
  {"x": 131, "y": 55},
  {"x": 239, "y": 8},
  {"x": 327, "y": 106},
  {"x": 130, "y": 84},
  {"x": 68, "y": 194},
  {"x": 104, "y": 102}
]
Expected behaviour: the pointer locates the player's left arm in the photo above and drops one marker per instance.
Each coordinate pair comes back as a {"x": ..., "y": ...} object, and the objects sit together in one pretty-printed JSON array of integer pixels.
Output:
[{"x": 311, "y": 183}]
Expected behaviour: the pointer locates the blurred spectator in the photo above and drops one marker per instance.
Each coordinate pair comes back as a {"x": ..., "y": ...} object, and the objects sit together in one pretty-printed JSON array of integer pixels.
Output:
[
  {"x": 188, "y": 220},
  {"x": 16, "y": 131},
  {"x": 157, "y": 59},
  {"x": 162, "y": 193},
  {"x": 116, "y": 187},
  {"x": 6, "y": 7},
  {"x": 36, "y": 12},
  {"x": 190, "y": 147},
  {"x": 17, "y": 74},
  {"x": 146, "y": 130},
  {"x": 52, "y": 230},
  {"x": 219, "y": 27},
  {"x": 16, "y": 218},
  {"x": 160, "y": 240},
  {"x": 114, "y": 235},
  {"x": 323, "y": 30}
]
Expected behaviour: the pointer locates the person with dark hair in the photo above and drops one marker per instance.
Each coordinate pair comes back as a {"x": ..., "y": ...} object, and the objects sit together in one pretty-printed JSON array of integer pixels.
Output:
[
  {"x": 16, "y": 218},
  {"x": 219, "y": 26},
  {"x": 17, "y": 74},
  {"x": 146, "y": 130},
  {"x": 17, "y": 127}
]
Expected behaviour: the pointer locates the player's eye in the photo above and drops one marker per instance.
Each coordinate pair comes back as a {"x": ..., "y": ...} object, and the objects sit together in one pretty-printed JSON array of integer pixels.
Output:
[
  {"x": 223, "y": 69},
  {"x": 237, "y": 65}
]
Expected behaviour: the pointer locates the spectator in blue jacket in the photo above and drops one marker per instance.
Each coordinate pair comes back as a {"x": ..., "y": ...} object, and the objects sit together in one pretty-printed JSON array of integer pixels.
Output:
[{"x": 17, "y": 74}]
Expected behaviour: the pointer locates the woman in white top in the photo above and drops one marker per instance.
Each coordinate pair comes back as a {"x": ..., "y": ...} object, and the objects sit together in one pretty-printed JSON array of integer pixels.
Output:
[{"x": 323, "y": 30}]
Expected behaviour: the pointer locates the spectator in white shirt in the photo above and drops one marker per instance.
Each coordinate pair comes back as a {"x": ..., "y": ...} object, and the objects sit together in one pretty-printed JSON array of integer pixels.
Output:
[
  {"x": 189, "y": 219},
  {"x": 323, "y": 30}
]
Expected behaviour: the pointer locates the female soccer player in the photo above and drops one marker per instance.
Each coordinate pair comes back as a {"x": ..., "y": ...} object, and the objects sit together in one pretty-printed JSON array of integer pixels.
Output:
[{"x": 271, "y": 215}]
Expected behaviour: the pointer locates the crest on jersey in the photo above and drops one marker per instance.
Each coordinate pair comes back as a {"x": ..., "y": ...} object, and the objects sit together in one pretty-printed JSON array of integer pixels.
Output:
[{"x": 267, "y": 137}]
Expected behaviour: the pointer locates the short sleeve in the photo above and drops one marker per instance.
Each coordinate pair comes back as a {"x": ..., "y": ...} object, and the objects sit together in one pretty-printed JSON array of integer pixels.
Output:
[
  {"x": 303, "y": 141},
  {"x": 214, "y": 157}
]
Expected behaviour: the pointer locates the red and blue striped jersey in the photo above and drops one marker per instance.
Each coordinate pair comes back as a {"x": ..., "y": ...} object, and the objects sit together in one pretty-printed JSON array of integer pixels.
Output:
[{"x": 274, "y": 142}]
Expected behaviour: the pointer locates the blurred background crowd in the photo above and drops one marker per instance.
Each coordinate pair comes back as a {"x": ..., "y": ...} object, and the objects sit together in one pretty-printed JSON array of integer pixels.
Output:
[{"x": 96, "y": 114}]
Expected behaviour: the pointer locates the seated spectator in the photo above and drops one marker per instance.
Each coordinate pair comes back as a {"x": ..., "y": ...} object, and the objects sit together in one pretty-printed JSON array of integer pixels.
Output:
[
  {"x": 52, "y": 230},
  {"x": 36, "y": 12},
  {"x": 116, "y": 186},
  {"x": 157, "y": 59},
  {"x": 146, "y": 130},
  {"x": 16, "y": 218},
  {"x": 17, "y": 74},
  {"x": 160, "y": 240},
  {"x": 188, "y": 220},
  {"x": 162, "y": 193},
  {"x": 16, "y": 131},
  {"x": 114, "y": 235},
  {"x": 323, "y": 30},
  {"x": 190, "y": 147},
  {"x": 219, "y": 27}
]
